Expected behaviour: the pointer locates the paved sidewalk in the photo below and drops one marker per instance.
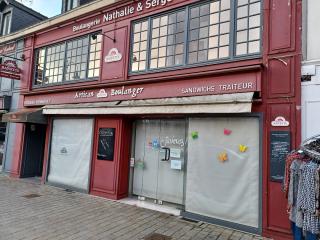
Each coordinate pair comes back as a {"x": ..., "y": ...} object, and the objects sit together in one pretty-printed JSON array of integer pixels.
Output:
[{"x": 57, "y": 214}]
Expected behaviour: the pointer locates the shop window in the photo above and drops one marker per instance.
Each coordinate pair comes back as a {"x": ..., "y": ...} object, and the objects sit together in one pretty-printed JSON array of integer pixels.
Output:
[
  {"x": 195, "y": 34},
  {"x": 73, "y": 60},
  {"x": 69, "y": 5},
  {"x": 94, "y": 56},
  {"x": 209, "y": 31},
  {"x": 248, "y": 32}
]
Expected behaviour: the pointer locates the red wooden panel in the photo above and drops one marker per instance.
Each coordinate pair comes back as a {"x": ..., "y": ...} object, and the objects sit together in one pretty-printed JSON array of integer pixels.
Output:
[
  {"x": 17, "y": 151},
  {"x": 28, "y": 42},
  {"x": 113, "y": 68},
  {"x": 281, "y": 77},
  {"x": 110, "y": 178},
  {"x": 104, "y": 173},
  {"x": 278, "y": 217},
  {"x": 123, "y": 179},
  {"x": 26, "y": 68},
  {"x": 281, "y": 25},
  {"x": 283, "y": 110}
]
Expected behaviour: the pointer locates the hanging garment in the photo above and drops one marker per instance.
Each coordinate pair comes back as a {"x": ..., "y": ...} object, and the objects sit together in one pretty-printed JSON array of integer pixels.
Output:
[
  {"x": 294, "y": 155},
  {"x": 307, "y": 197},
  {"x": 294, "y": 215}
]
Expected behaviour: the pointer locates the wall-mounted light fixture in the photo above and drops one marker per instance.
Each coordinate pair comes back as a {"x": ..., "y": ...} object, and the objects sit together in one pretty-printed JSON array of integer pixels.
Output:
[{"x": 94, "y": 36}]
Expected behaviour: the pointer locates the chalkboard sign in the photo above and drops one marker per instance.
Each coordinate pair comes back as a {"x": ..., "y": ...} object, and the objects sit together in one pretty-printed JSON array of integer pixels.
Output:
[
  {"x": 280, "y": 147},
  {"x": 106, "y": 144}
]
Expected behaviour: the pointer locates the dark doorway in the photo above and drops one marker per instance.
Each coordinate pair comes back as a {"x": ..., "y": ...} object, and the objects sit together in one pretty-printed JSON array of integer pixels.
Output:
[{"x": 32, "y": 161}]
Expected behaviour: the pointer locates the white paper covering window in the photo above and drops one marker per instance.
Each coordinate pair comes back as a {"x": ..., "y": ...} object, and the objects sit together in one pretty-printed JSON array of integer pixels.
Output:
[
  {"x": 70, "y": 155},
  {"x": 226, "y": 190}
]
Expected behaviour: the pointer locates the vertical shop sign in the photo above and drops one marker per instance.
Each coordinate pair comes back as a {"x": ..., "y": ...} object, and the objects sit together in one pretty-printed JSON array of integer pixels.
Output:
[
  {"x": 279, "y": 149},
  {"x": 106, "y": 144}
]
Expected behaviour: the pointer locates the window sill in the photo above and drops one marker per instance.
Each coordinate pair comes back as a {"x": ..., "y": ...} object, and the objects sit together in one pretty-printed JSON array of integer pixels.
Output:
[
  {"x": 200, "y": 69},
  {"x": 62, "y": 86}
]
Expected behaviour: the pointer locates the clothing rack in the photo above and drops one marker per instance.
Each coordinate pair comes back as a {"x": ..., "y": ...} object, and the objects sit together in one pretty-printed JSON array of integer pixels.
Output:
[
  {"x": 301, "y": 186},
  {"x": 305, "y": 148}
]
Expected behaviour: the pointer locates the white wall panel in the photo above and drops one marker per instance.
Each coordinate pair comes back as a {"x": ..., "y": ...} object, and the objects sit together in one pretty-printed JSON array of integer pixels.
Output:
[{"x": 70, "y": 154}]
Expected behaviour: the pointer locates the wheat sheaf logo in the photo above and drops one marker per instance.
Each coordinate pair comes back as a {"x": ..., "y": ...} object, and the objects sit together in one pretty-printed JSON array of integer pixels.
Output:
[
  {"x": 113, "y": 56},
  {"x": 102, "y": 94}
]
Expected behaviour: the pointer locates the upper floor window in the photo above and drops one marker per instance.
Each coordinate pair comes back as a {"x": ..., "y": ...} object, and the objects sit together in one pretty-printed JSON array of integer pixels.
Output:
[
  {"x": 73, "y": 60},
  {"x": 67, "y": 5},
  {"x": 6, "y": 23},
  {"x": 212, "y": 31}
]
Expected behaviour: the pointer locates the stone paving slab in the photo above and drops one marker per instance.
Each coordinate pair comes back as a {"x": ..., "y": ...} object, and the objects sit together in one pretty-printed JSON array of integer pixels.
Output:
[{"x": 60, "y": 215}]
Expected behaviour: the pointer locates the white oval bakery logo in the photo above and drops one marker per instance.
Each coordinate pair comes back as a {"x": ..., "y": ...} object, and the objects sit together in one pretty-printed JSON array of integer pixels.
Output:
[
  {"x": 102, "y": 94},
  {"x": 280, "y": 122},
  {"x": 113, "y": 56}
]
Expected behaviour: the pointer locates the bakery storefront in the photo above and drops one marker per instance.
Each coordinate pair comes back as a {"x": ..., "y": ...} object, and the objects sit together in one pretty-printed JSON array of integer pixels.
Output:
[
  {"x": 168, "y": 103},
  {"x": 165, "y": 146}
]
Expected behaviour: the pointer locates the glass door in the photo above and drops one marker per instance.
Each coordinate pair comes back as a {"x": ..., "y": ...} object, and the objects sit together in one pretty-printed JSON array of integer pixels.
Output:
[
  {"x": 159, "y": 160},
  {"x": 171, "y": 162}
]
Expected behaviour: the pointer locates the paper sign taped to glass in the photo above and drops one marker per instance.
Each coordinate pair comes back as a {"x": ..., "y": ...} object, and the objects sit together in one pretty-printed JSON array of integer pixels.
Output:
[
  {"x": 175, "y": 153},
  {"x": 176, "y": 164}
]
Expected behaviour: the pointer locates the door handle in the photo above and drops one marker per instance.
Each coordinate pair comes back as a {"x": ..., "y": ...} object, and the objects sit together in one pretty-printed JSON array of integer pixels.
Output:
[
  {"x": 167, "y": 154},
  {"x": 168, "y": 158}
]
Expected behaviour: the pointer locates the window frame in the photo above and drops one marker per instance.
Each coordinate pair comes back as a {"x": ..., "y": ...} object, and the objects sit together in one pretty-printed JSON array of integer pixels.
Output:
[
  {"x": 232, "y": 44},
  {"x": 248, "y": 28},
  {"x": 64, "y": 81},
  {"x": 4, "y": 20}
]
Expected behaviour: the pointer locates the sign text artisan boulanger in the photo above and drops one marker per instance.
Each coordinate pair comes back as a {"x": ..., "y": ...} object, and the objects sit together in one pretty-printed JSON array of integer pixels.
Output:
[{"x": 239, "y": 83}]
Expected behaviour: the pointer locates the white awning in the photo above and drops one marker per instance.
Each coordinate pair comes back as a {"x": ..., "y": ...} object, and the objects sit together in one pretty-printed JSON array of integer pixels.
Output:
[{"x": 227, "y": 103}]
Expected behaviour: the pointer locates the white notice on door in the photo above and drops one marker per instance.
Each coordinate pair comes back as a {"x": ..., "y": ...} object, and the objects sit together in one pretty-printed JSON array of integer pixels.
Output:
[
  {"x": 175, "y": 152},
  {"x": 176, "y": 164}
]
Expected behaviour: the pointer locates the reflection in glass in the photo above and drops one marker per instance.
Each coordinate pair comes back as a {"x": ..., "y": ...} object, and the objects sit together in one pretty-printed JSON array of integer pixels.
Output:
[
  {"x": 209, "y": 40},
  {"x": 248, "y": 27}
]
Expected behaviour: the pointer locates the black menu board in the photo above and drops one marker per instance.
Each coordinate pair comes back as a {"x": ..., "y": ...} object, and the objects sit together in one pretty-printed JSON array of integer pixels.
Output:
[
  {"x": 279, "y": 149},
  {"x": 106, "y": 144}
]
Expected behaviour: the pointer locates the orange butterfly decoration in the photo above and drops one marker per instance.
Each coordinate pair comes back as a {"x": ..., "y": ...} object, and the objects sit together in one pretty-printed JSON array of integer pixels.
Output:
[{"x": 223, "y": 157}]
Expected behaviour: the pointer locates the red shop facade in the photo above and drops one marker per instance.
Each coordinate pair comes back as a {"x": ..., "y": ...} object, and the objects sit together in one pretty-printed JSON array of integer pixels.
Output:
[{"x": 188, "y": 104}]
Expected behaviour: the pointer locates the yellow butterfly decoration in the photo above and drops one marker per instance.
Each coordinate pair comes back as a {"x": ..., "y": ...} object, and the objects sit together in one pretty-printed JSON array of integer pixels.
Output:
[
  {"x": 223, "y": 157},
  {"x": 243, "y": 148}
]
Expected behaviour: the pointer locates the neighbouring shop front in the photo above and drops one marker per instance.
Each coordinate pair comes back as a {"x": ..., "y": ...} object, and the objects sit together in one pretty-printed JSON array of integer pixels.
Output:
[{"x": 12, "y": 63}]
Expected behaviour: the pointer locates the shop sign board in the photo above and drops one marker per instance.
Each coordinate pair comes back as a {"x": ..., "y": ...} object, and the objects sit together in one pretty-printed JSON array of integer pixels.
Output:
[
  {"x": 241, "y": 83},
  {"x": 131, "y": 9},
  {"x": 9, "y": 75},
  {"x": 121, "y": 12},
  {"x": 8, "y": 48},
  {"x": 280, "y": 145},
  {"x": 106, "y": 142},
  {"x": 113, "y": 56},
  {"x": 9, "y": 69},
  {"x": 280, "y": 122}
]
